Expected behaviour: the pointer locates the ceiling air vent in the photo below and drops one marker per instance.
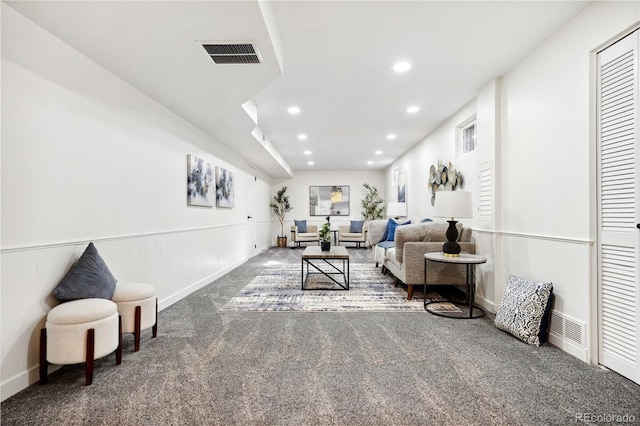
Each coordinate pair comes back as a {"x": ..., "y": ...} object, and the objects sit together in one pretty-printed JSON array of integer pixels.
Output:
[{"x": 233, "y": 53}]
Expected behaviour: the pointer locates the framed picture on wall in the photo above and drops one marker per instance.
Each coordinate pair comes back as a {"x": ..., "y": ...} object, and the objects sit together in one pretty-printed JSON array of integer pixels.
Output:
[
  {"x": 225, "y": 191},
  {"x": 329, "y": 200},
  {"x": 402, "y": 187},
  {"x": 199, "y": 181}
]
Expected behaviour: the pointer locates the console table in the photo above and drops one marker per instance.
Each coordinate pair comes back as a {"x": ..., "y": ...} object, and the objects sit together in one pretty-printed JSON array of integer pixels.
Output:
[
  {"x": 470, "y": 260},
  {"x": 337, "y": 253}
]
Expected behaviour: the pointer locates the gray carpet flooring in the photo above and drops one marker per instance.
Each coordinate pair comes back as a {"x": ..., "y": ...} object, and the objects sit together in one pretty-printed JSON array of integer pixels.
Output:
[{"x": 324, "y": 368}]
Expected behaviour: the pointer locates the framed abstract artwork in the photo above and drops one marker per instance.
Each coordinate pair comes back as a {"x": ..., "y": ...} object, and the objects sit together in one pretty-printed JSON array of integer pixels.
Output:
[
  {"x": 225, "y": 191},
  {"x": 402, "y": 187},
  {"x": 199, "y": 182},
  {"x": 329, "y": 200}
]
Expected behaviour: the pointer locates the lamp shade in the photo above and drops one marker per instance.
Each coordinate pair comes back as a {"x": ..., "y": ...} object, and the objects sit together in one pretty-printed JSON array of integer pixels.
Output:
[
  {"x": 397, "y": 209},
  {"x": 453, "y": 204}
]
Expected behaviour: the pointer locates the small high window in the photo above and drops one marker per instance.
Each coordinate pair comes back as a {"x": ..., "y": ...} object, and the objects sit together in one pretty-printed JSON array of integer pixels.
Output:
[{"x": 469, "y": 138}]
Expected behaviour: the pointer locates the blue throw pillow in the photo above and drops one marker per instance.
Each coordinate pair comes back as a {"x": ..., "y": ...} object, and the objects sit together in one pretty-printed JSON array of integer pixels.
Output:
[
  {"x": 386, "y": 230},
  {"x": 392, "y": 229},
  {"x": 356, "y": 226},
  {"x": 302, "y": 226},
  {"x": 386, "y": 244},
  {"x": 88, "y": 277},
  {"x": 425, "y": 220}
]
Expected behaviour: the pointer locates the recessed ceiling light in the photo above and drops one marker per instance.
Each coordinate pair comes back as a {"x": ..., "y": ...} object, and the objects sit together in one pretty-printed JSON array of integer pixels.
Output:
[
  {"x": 307, "y": 152},
  {"x": 378, "y": 152},
  {"x": 401, "y": 66},
  {"x": 302, "y": 137},
  {"x": 293, "y": 110},
  {"x": 413, "y": 109},
  {"x": 311, "y": 163},
  {"x": 391, "y": 136},
  {"x": 369, "y": 162}
]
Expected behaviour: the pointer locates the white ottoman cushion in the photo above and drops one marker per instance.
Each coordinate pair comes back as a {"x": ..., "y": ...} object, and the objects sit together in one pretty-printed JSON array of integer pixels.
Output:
[
  {"x": 133, "y": 291},
  {"x": 129, "y": 295},
  {"x": 67, "y": 325}
]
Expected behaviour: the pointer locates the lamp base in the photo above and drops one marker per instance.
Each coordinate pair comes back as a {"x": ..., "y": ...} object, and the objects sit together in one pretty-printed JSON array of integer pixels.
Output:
[{"x": 451, "y": 248}]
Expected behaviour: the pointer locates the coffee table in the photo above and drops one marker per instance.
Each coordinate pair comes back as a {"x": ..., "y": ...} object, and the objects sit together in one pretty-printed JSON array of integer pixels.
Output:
[{"x": 314, "y": 257}]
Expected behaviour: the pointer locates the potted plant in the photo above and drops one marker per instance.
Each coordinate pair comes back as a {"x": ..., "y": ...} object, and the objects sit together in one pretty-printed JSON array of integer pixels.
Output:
[
  {"x": 280, "y": 207},
  {"x": 325, "y": 236},
  {"x": 371, "y": 203}
]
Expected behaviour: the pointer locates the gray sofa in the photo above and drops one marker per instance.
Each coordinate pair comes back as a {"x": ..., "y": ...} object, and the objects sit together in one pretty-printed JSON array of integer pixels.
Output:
[{"x": 405, "y": 258}]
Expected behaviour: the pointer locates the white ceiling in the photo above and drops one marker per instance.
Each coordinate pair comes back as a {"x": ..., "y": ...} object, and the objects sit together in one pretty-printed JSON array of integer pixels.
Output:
[{"x": 332, "y": 59}]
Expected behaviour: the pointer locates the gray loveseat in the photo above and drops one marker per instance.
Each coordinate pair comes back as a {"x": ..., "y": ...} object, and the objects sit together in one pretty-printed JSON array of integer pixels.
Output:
[{"x": 405, "y": 258}]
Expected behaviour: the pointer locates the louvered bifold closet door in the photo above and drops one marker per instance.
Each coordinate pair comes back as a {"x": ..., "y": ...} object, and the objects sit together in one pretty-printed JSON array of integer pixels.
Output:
[{"x": 619, "y": 237}]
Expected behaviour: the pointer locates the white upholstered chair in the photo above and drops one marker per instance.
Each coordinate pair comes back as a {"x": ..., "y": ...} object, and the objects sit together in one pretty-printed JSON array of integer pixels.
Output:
[
  {"x": 311, "y": 236},
  {"x": 346, "y": 236}
]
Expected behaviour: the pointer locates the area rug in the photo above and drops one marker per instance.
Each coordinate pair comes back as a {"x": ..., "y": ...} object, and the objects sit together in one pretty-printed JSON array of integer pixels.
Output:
[{"x": 277, "y": 289}]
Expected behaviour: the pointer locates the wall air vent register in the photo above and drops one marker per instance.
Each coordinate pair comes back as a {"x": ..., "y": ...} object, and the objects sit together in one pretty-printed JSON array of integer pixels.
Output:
[{"x": 232, "y": 52}]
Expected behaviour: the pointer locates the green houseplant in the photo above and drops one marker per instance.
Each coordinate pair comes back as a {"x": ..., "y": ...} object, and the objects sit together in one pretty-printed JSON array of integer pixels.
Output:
[
  {"x": 325, "y": 236},
  {"x": 372, "y": 203},
  {"x": 280, "y": 206}
]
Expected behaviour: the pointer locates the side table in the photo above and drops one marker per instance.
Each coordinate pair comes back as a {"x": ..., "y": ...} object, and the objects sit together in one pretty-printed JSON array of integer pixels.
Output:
[{"x": 471, "y": 260}]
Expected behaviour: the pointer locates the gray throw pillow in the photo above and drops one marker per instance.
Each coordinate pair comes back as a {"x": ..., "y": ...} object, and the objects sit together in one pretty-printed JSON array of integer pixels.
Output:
[{"x": 88, "y": 277}]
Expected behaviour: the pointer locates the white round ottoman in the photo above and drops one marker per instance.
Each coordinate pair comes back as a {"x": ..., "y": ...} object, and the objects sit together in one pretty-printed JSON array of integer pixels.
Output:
[
  {"x": 80, "y": 331},
  {"x": 138, "y": 306}
]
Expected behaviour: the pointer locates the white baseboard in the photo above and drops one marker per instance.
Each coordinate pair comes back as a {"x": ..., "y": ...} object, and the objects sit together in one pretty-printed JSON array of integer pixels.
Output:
[
  {"x": 23, "y": 380},
  {"x": 488, "y": 306},
  {"x": 176, "y": 297},
  {"x": 581, "y": 353},
  {"x": 19, "y": 382}
]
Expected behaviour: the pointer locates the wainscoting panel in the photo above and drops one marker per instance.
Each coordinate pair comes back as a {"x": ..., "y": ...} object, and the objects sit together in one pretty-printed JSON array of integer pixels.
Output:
[
  {"x": 567, "y": 263},
  {"x": 176, "y": 263}
]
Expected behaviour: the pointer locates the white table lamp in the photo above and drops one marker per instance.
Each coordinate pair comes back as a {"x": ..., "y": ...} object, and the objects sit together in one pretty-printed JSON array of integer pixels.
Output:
[
  {"x": 397, "y": 210},
  {"x": 453, "y": 204}
]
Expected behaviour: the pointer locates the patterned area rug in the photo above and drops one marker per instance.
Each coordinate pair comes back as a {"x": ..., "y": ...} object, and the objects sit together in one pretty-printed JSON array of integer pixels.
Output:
[{"x": 278, "y": 289}]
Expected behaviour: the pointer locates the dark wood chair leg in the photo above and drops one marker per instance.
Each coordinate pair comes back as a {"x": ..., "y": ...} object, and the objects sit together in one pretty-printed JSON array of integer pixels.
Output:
[
  {"x": 136, "y": 328},
  {"x": 395, "y": 281},
  {"x": 88, "y": 363},
  {"x": 155, "y": 324},
  {"x": 409, "y": 291},
  {"x": 383, "y": 271},
  {"x": 119, "y": 348},
  {"x": 43, "y": 356}
]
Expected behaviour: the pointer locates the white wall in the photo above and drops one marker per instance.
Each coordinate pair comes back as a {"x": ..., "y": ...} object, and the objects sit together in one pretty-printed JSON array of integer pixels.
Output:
[
  {"x": 298, "y": 191},
  {"x": 547, "y": 156},
  {"x": 534, "y": 128},
  {"x": 439, "y": 145},
  {"x": 86, "y": 157}
]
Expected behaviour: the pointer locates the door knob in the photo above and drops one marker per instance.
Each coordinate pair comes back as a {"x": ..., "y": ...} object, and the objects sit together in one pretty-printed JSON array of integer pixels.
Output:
[
  {"x": 638, "y": 226},
  {"x": 249, "y": 217}
]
